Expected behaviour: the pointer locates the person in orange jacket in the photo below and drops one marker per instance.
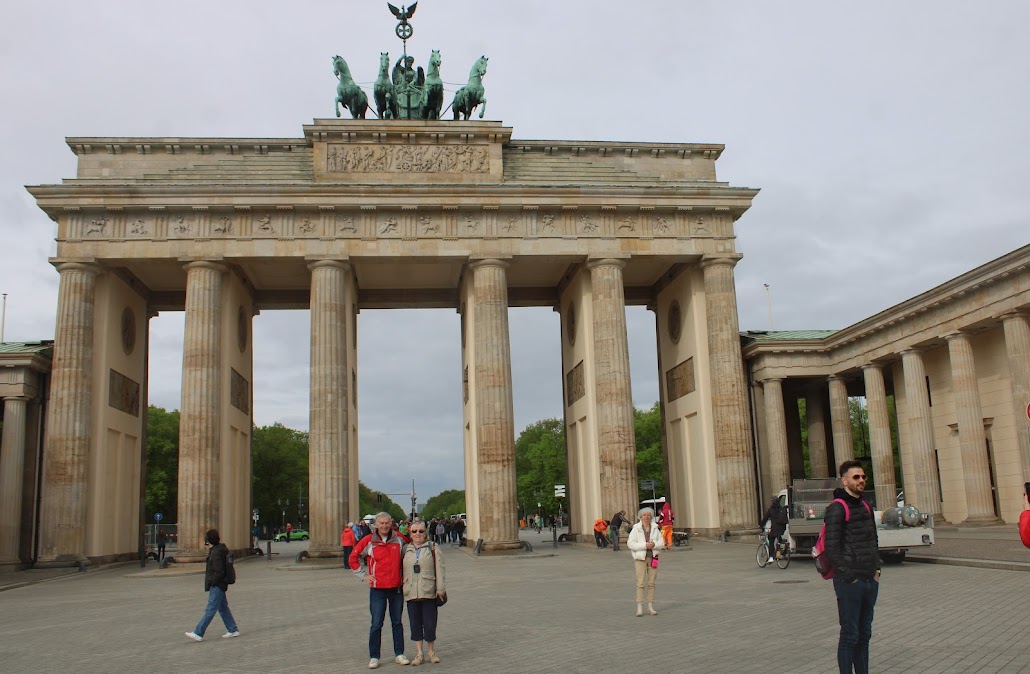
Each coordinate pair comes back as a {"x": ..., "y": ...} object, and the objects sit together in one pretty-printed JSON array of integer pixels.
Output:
[
  {"x": 347, "y": 542},
  {"x": 1024, "y": 518},
  {"x": 666, "y": 520},
  {"x": 600, "y": 531}
]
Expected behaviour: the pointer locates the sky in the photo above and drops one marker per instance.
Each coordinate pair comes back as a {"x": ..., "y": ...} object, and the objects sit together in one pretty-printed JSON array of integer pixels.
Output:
[{"x": 889, "y": 140}]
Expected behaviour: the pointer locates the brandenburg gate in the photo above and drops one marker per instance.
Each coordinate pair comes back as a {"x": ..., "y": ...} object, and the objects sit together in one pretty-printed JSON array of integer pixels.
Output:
[{"x": 388, "y": 213}]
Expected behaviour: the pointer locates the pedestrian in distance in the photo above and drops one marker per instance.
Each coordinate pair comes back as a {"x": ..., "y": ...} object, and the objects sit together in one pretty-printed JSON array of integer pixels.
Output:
[
  {"x": 162, "y": 541},
  {"x": 424, "y": 584},
  {"x": 645, "y": 540},
  {"x": 853, "y": 552},
  {"x": 618, "y": 519},
  {"x": 376, "y": 559},
  {"x": 347, "y": 542},
  {"x": 218, "y": 575},
  {"x": 600, "y": 529},
  {"x": 666, "y": 519}
]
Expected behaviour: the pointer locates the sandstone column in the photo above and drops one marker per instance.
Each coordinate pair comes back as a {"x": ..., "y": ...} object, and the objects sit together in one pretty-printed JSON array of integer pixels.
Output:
[
  {"x": 840, "y": 420},
  {"x": 734, "y": 458},
  {"x": 12, "y": 466},
  {"x": 880, "y": 437},
  {"x": 972, "y": 440},
  {"x": 1017, "y": 346},
  {"x": 616, "y": 437},
  {"x": 776, "y": 429},
  {"x": 816, "y": 416},
  {"x": 328, "y": 455},
  {"x": 62, "y": 526},
  {"x": 922, "y": 486},
  {"x": 200, "y": 417},
  {"x": 494, "y": 411}
]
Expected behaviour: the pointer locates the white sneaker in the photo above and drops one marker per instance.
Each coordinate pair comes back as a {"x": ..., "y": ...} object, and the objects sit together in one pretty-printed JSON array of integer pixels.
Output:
[
  {"x": 373, "y": 663},
  {"x": 402, "y": 660},
  {"x": 230, "y": 635},
  {"x": 770, "y": 561},
  {"x": 194, "y": 636}
]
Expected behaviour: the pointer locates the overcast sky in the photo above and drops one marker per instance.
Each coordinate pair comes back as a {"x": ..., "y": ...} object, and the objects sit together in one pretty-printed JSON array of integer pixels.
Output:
[{"x": 889, "y": 139}]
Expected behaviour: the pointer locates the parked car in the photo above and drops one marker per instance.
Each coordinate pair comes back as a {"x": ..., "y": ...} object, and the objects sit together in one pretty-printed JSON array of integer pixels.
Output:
[{"x": 295, "y": 535}]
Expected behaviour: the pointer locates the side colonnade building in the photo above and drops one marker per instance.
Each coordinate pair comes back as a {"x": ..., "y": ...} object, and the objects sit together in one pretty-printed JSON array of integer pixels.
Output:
[
  {"x": 386, "y": 214},
  {"x": 956, "y": 360}
]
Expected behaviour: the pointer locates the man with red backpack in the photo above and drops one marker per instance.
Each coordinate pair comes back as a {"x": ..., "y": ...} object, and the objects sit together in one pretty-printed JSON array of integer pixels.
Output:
[{"x": 852, "y": 549}]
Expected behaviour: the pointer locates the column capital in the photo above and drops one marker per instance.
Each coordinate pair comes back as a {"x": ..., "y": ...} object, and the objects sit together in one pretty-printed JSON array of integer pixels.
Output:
[
  {"x": 872, "y": 366},
  {"x": 836, "y": 377},
  {"x": 770, "y": 380},
  {"x": 912, "y": 350},
  {"x": 605, "y": 262},
  {"x": 489, "y": 262},
  {"x": 84, "y": 266},
  {"x": 1014, "y": 314},
  {"x": 334, "y": 263},
  {"x": 23, "y": 399},
  {"x": 951, "y": 336},
  {"x": 213, "y": 265},
  {"x": 728, "y": 260}
]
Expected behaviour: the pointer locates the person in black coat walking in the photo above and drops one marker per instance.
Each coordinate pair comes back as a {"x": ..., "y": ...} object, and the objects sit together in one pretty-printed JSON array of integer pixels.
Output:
[
  {"x": 216, "y": 584},
  {"x": 853, "y": 551}
]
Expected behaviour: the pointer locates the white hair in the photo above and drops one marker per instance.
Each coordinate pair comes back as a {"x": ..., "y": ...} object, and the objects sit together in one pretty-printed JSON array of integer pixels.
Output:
[{"x": 640, "y": 514}]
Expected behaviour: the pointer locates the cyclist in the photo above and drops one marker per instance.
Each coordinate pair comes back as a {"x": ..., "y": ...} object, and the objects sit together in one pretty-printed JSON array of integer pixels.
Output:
[{"x": 776, "y": 515}]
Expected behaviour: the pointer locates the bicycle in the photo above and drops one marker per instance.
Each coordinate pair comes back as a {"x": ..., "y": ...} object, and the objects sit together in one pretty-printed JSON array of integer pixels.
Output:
[{"x": 781, "y": 556}]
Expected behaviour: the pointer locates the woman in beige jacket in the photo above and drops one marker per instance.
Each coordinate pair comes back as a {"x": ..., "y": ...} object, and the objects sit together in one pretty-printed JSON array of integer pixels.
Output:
[
  {"x": 645, "y": 540},
  {"x": 423, "y": 583}
]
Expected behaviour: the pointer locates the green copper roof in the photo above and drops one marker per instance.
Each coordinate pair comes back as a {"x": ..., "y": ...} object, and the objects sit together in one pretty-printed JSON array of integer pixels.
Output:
[
  {"x": 786, "y": 335},
  {"x": 45, "y": 348}
]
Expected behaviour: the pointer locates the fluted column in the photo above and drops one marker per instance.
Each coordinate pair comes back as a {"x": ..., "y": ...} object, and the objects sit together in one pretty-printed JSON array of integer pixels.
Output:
[
  {"x": 328, "y": 446},
  {"x": 1017, "y": 346},
  {"x": 734, "y": 458},
  {"x": 880, "y": 437},
  {"x": 816, "y": 416},
  {"x": 70, "y": 420},
  {"x": 776, "y": 430},
  {"x": 12, "y": 466},
  {"x": 840, "y": 420},
  {"x": 495, "y": 416},
  {"x": 200, "y": 417},
  {"x": 922, "y": 486},
  {"x": 976, "y": 471},
  {"x": 616, "y": 437}
]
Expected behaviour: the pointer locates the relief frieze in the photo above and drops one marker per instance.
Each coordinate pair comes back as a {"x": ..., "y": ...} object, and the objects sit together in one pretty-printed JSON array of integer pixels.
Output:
[
  {"x": 679, "y": 381},
  {"x": 123, "y": 393},
  {"x": 575, "y": 385},
  {"x": 239, "y": 391},
  {"x": 350, "y": 158}
]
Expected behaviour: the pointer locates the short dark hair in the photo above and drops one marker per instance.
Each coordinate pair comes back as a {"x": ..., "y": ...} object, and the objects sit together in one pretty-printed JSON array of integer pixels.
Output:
[
  {"x": 212, "y": 537},
  {"x": 848, "y": 465}
]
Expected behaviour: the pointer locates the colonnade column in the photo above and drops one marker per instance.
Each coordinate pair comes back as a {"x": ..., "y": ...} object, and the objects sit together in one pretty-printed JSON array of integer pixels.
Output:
[
  {"x": 922, "y": 485},
  {"x": 816, "y": 416},
  {"x": 616, "y": 437},
  {"x": 328, "y": 436},
  {"x": 880, "y": 437},
  {"x": 734, "y": 460},
  {"x": 200, "y": 417},
  {"x": 495, "y": 416},
  {"x": 12, "y": 466},
  {"x": 840, "y": 420},
  {"x": 976, "y": 471},
  {"x": 776, "y": 431},
  {"x": 62, "y": 526},
  {"x": 1017, "y": 346}
]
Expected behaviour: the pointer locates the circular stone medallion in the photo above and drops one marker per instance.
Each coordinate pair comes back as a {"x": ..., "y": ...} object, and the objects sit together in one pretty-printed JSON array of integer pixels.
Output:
[
  {"x": 128, "y": 331},
  {"x": 675, "y": 319}
]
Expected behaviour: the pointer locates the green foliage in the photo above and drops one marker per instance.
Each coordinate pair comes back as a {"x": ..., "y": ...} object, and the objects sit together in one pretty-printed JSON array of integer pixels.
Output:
[
  {"x": 368, "y": 504},
  {"x": 539, "y": 465},
  {"x": 279, "y": 469},
  {"x": 647, "y": 426},
  {"x": 448, "y": 502},
  {"x": 161, "y": 493}
]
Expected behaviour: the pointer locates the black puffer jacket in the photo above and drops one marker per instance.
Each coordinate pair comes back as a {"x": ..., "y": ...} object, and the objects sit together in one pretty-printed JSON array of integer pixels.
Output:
[
  {"x": 214, "y": 570},
  {"x": 851, "y": 546}
]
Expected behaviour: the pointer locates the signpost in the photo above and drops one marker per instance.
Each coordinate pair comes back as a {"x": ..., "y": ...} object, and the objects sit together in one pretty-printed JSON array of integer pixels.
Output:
[
  {"x": 649, "y": 485},
  {"x": 158, "y": 517}
]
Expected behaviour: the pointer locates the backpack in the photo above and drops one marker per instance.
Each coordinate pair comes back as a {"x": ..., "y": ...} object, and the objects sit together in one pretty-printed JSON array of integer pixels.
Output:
[
  {"x": 230, "y": 568},
  {"x": 822, "y": 561}
]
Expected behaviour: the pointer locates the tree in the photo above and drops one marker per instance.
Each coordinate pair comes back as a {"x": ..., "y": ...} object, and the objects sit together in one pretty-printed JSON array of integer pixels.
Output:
[
  {"x": 539, "y": 465},
  {"x": 369, "y": 504},
  {"x": 446, "y": 503},
  {"x": 161, "y": 493},
  {"x": 279, "y": 469},
  {"x": 647, "y": 427}
]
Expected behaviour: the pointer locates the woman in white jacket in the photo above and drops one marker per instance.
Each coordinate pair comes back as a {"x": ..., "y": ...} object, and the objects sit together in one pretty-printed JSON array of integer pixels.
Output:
[{"x": 645, "y": 540}]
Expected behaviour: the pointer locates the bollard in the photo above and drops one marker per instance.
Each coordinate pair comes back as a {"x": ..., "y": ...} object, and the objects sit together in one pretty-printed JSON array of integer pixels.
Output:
[{"x": 268, "y": 553}]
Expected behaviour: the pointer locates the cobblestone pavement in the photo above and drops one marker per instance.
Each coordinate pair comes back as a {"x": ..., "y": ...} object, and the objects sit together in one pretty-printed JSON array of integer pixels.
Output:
[{"x": 570, "y": 612}]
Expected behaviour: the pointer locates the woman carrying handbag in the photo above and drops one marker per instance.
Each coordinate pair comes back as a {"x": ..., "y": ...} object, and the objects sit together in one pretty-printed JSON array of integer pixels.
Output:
[
  {"x": 424, "y": 589},
  {"x": 645, "y": 540}
]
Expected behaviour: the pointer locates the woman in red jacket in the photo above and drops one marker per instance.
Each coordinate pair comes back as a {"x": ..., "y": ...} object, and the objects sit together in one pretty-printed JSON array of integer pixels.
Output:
[{"x": 1024, "y": 517}]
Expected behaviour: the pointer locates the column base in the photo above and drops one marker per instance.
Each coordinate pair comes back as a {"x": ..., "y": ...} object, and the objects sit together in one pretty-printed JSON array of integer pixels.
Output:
[
  {"x": 62, "y": 562},
  {"x": 982, "y": 521},
  {"x": 188, "y": 556},
  {"x": 324, "y": 553},
  {"x": 501, "y": 547}
]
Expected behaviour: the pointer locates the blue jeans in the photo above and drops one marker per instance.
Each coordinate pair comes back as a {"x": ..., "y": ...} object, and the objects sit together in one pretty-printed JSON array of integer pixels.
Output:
[
  {"x": 377, "y": 602},
  {"x": 855, "y": 602},
  {"x": 216, "y": 602}
]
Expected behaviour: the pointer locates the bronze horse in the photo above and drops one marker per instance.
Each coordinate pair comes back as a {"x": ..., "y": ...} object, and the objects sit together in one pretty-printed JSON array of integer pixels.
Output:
[
  {"x": 432, "y": 90},
  {"x": 472, "y": 94},
  {"x": 348, "y": 94}
]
